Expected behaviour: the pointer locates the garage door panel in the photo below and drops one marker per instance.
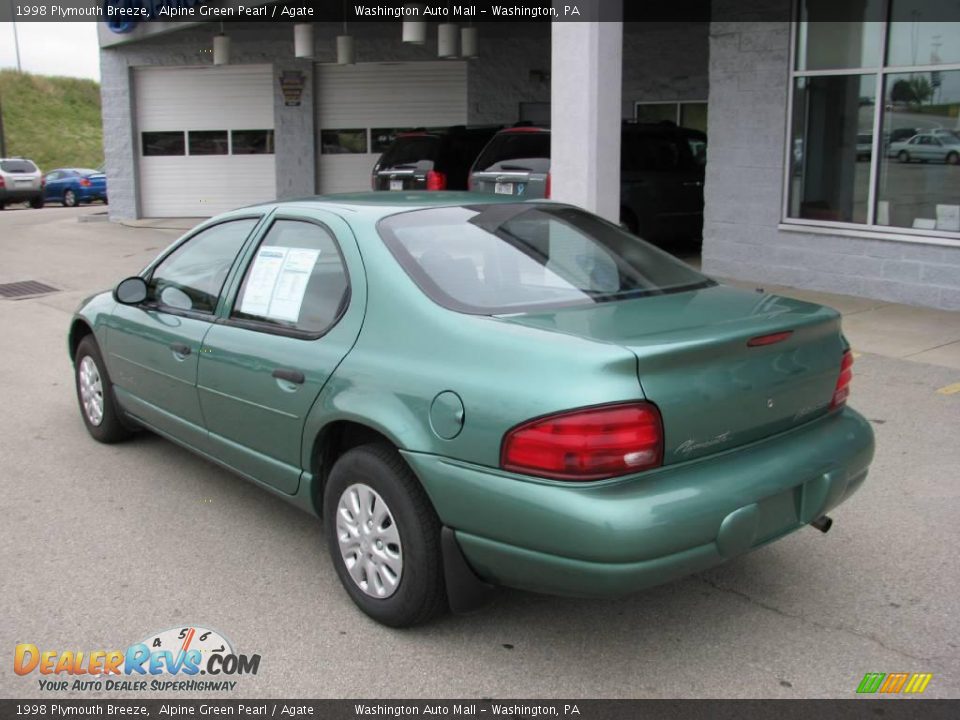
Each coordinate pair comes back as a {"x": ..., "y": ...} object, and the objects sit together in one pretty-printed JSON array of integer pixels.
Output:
[
  {"x": 382, "y": 95},
  {"x": 181, "y": 99}
]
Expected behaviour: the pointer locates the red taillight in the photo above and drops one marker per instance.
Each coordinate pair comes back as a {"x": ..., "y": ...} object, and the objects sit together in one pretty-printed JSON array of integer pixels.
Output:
[
  {"x": 589, "y": 444},
  {"x": 842, "y": 390},
  {"x": 84, "y": 182},
  {"x": 546, "y": 192},
  {"x": 436, "y": 180},
  {"x": 2, "y": 183}
]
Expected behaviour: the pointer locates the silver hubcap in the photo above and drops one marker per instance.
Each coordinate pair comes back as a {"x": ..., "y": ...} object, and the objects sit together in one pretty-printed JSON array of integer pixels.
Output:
[
  {"x": 91, "y": 390},
  {"x": 369, "y": 541}
]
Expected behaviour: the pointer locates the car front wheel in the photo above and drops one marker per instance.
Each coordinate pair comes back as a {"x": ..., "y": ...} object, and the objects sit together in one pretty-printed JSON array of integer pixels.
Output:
[
  {"x": 953, "y": 158},
  {"x": 95, "y": 394},
  {"x": 384, "y": 537}
]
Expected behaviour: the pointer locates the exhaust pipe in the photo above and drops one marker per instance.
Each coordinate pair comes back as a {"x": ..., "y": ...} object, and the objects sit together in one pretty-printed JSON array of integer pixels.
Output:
[{"x": 823, "y": 523}]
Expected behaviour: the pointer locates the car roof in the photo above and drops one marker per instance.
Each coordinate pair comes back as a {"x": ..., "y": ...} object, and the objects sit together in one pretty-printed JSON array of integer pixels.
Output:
[{"x": 381, "y": 204}]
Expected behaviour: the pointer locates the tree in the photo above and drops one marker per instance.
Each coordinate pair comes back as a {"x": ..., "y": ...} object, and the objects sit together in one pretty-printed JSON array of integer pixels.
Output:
[{"x": 916, "y": 91}]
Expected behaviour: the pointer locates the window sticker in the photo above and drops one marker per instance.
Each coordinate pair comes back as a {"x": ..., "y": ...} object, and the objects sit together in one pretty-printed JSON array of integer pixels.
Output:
[{"x": 278, "y": 282}]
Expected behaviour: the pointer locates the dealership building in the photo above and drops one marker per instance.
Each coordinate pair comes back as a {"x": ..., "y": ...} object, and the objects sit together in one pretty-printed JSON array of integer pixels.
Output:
[{"x": 832, "y": 162}]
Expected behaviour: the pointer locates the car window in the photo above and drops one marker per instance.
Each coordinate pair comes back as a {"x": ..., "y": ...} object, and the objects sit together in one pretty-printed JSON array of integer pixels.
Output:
[
  {"x": 410, "y": 150},
  {"x": 17, "y": 166},
  {"x": 517, "y": 150},
  {"x": 53, "y": 176},
  {"x": 192, "y": 276},
  {"x": 496, "y": 259},
  {"x": 643, "y": 152},
  {"x": 296, "y": 281}
]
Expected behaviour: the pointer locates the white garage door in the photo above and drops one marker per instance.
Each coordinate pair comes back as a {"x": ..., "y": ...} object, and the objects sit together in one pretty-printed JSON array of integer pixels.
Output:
[
  {"x": 360, "y": 107},
  {"x": 205, "y": 139}
]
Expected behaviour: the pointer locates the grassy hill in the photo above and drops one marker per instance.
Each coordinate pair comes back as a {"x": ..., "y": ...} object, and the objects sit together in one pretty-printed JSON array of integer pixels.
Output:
[{"x": 54, "y": 121}]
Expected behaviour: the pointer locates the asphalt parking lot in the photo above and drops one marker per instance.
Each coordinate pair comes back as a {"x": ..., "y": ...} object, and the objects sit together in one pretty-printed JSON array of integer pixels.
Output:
[{"x": 103, "y": 545}]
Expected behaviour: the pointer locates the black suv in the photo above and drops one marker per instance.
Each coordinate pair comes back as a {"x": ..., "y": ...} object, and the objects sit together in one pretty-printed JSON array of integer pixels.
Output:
[
  {"x": 661, "y": 175},
  {"x": 431, "y": 159}
]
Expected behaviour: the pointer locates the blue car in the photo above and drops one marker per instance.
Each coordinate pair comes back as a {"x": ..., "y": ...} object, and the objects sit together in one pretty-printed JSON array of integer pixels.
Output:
[{"x": 72, "y": 186}]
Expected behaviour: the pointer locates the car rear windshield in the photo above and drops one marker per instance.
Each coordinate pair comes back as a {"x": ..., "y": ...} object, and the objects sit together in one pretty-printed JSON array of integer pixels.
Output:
[
  {"x": 521, "y": 257},
  {"x": 524, "y": 151},
  {"x": 410, "y": 150},
  {"x": 17, "y": 166}
]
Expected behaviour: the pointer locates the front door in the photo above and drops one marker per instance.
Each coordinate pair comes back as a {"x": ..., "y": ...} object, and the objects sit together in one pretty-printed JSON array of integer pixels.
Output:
[
  {"x": 154, "y": 347},
  {"x": 291, "y": 323}
]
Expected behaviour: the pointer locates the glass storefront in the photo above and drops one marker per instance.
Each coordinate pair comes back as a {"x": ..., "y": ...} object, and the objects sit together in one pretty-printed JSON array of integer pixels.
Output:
[{"x": 875, "y": 118}]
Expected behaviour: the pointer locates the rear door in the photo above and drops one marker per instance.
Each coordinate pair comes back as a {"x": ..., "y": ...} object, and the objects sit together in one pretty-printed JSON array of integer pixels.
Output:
[
  {"x": 515, "y": 162},
  {"x": 293, "y": 316}
]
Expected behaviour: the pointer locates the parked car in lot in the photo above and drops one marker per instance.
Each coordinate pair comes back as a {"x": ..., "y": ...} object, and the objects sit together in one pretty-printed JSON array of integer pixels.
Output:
[
  {"x": 20, "y": 181},
  {"x": 473, "y": 391},
  {"x": 661, "y": 175},
  {"x": 864, "y": 146},
  {"x": 431, "y": 159},
  {"x": 72, "y": 186},
  {"x": 927, "y": 147}
]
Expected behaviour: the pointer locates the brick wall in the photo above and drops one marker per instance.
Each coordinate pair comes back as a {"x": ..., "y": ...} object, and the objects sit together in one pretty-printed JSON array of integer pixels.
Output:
[{"x": 749, "y": 71}]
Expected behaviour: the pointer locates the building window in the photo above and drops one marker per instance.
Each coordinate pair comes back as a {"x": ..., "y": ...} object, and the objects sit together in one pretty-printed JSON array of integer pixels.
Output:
[
  {"x": 207, "y": 142},
  {"x": 874, "y": 138},
  {"x": 163, "y": 143},
  {"x": 252, "y": 142},
  {"x": 336, "y": 142},
  {"x": 688, "y": 114}
]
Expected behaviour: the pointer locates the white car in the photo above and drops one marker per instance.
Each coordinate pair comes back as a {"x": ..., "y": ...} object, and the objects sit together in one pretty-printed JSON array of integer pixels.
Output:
[
  {"x": 927, "y": 147},
  {"x": 20, "y": 181}
]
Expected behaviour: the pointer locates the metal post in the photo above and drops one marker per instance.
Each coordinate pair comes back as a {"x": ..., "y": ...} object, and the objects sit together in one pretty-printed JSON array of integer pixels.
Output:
[
  {"x": 3, "y": 137},
  {"x": 16, "y": 39}
]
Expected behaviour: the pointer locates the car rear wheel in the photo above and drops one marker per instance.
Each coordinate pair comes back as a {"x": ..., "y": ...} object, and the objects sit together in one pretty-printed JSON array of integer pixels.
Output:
[
  {"x": 69, "y": 199},
  {"x": 953, "y": 158},
  {"x": 903, "y": 156},
  {"x": 37, "y": 203},
  {"x": 95, "y": 395},
  {"x": 384, "y": 537}
]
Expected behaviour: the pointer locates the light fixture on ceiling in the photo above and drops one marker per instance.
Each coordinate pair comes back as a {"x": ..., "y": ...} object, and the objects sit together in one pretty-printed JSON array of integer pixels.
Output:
[
  {"x": 303, "y": 40},
  {"x": 414, "y": 31},
  {"x": 221, "y": 48},
  {"x": 447, "y": 35},
  {"x": 469, "y": 43},
  {"x": 346, "y": 50}
]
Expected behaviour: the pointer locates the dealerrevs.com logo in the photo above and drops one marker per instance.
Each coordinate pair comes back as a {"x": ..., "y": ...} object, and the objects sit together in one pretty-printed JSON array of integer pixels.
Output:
[{"x": 168, "y": 661}]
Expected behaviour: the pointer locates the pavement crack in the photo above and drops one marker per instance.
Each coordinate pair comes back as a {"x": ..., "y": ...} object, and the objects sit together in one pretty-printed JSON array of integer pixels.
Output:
[{"x": 808, "y": 621}]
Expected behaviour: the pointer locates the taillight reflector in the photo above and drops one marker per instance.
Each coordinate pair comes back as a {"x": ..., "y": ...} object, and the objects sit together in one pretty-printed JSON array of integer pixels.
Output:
[
  {"x": 546, "y": 189},
  {"x": 771, "y": 339},
  {"x": 436, "y": 180},
  {"x": 588, "y": 444},
  {"x": 842, "y": 391}
]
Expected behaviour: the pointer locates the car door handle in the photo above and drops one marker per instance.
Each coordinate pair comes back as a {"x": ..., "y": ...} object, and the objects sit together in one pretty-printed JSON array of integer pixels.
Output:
[
  {"x": 290, "y": 375},
  {"x": 180, "y": 348},
  {"x": 693, "y": 183}
]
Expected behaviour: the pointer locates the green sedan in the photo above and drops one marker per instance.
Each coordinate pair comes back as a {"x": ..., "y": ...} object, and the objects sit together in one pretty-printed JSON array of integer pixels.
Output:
[{"x": 473, "y": 391}]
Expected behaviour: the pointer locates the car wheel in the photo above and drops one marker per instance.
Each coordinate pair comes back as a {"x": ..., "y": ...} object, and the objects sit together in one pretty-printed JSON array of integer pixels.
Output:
[
  {"x": 69, "y": 199},
  {"x": 2, "y": 206},
  {"x": 384, "y": 537},
  {"x": 953, "y": 158},
  {"x": 36, "y": 204},
  {"x": 903, "y": 156},
  {"x": 95, "y": 394}
]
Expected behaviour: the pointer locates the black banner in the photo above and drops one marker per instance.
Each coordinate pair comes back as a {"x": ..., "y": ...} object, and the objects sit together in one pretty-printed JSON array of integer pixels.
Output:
[{"x": 888, "y": 709}]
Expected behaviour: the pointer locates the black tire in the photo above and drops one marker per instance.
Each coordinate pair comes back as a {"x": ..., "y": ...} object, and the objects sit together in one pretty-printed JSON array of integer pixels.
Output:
[
  {"x": 37, "y": 203},
  {"x": 3, "y": 206},
  {"x": 70, "y": 198},
  {"x": 903, "y": 156},
  {"x": 953, "y": 158},
  {"x": 420, "y": 594},
  {"x": 111, "y": 428}
]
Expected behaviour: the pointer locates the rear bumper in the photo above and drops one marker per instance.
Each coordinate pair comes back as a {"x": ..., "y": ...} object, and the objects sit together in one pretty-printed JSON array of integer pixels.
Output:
[
  {"x": 13, "y": 195},
  {"x": 615, "y": 537}
]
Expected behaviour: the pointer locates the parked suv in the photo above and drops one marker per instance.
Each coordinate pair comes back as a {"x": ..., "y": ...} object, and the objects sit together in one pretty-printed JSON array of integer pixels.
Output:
[
  {"x": 661, "y": 175},
  {"x": 431, "y": 159},
  {"x": 20, "y": 181}
]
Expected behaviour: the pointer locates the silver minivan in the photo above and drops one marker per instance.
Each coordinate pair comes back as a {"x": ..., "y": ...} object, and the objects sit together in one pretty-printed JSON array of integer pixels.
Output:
[
  {"x": 20, "y": 181},
  {"x": 515, "y": 162}
]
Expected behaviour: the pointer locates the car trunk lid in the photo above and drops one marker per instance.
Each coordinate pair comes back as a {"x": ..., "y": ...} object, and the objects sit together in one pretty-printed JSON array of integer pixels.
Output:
[{"x": 715, "y": 389}]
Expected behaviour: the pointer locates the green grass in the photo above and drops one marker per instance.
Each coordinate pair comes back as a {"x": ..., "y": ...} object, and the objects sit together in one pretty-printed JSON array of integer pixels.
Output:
[{"x": 54, "y": 121}]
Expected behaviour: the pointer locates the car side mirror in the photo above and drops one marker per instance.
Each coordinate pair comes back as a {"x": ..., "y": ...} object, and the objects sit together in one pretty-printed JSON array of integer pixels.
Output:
[{"x": 131, "y": 291}]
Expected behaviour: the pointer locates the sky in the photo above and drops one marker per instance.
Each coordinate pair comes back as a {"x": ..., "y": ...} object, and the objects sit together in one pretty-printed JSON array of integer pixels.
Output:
[{"x": 52, "y": 48}]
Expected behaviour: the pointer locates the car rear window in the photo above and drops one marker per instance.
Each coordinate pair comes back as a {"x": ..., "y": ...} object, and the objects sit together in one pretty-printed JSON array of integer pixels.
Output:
[
  {"x": 528, "y": 151},
  {"x": 410, "y": 150},
  {"x": 512, "y": 257},
  {"x": 17, "y": 166}
]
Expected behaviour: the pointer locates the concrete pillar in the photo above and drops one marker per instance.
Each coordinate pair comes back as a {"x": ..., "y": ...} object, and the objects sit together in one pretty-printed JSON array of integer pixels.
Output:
[{"x": 585, "y": 86}]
